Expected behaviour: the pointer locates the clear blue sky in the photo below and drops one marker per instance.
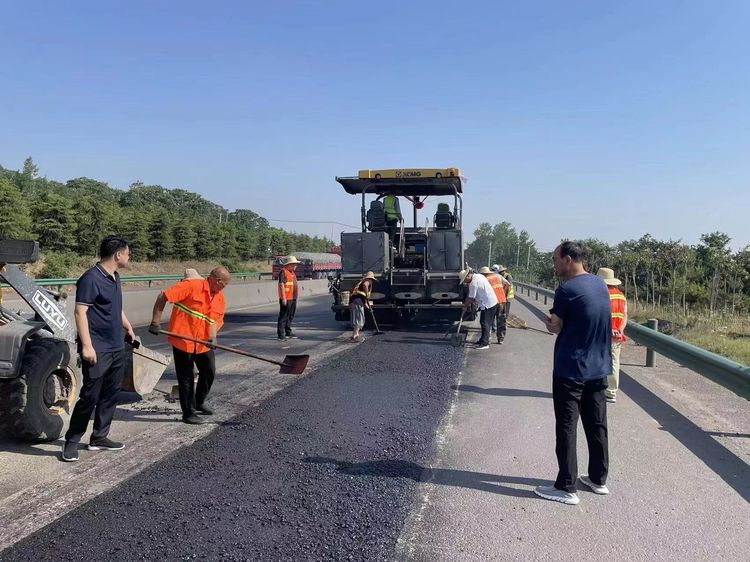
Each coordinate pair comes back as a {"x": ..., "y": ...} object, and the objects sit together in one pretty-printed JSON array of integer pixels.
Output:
[{"x": 570, "y": 119}]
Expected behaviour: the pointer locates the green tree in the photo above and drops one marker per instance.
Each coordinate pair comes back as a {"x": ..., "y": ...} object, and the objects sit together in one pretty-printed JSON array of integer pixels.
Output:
[
  {"x": 54, "y": 222},
  {"x": 160, "y": 234},
  {"x": 184, "y": 241},
  {"x": 136, "y": 223},
  {"x": 15, "y": 220}
]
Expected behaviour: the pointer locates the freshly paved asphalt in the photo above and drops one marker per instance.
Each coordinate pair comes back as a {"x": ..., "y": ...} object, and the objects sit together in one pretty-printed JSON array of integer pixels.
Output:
[{"x": 406, "y": 448}]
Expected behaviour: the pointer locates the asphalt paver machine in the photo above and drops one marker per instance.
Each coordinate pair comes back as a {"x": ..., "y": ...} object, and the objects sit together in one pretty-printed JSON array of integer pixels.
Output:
[
  {"x": 40, "y": 375},
  {"x": 416, "y": 267}
]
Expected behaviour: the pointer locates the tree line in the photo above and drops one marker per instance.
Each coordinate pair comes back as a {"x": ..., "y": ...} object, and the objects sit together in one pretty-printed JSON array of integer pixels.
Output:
[
  {"x": 70, "y": 219},
  {"x": 708, "y": 276}
]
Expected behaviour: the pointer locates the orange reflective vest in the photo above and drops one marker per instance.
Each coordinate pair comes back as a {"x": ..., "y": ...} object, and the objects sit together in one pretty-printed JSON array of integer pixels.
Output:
[
  {"x": 497, "y": 285},
  {"x": 619, "y": 312},
  {"x": 287, "y": 286},
  {"x": 194, "y": 312}
]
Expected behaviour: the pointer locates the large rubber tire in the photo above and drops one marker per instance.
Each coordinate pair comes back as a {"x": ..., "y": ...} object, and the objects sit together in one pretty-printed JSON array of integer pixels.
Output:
[{"x": 37, "y": 404}]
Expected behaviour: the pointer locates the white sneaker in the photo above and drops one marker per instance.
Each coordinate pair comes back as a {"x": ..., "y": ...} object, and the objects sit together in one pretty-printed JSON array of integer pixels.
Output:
[
  {"x": 611, "y": 399},
  {"x": 600, "y": 489},
  {"x": 481, "y": 346},
  {"x": 552, "y": 493}
]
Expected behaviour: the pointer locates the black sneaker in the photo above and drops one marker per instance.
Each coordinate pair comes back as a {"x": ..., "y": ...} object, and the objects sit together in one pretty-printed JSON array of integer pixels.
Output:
[
  {"x": 292, "y": 335},
  {"x": 105, "y": 444},
  {"x": 204, "y": 410},
  {"x": 500, "y": 341},
  {"x": 282, "y": 337},
  {"x": 192, "y": 419},
  {"x": 70, "y": 452}
]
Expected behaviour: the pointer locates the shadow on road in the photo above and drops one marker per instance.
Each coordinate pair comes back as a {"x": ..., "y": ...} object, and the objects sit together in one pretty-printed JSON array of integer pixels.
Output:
[
  {"x": 502, "y": 391},
  {"x": 728, "y": 466},
  {"x": 491, "y": 483}
]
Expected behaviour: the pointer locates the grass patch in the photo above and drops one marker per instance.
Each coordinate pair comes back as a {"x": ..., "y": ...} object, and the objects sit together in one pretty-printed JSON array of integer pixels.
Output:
[{"x": 725, "y": 335}]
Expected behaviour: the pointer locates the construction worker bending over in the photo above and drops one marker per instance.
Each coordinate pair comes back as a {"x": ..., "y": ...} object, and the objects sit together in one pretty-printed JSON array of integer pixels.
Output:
[
  {"x": 102, "y": 326},
  {"x": 499, "y": 285},
  {"x": 481, "y": 293},
  {"x": 288, "y": 295},
  {"x": 359, "y": 300},
  {"x": 198, "y": 313}
]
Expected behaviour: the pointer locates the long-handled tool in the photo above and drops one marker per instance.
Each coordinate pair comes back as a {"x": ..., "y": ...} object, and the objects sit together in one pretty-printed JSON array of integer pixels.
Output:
[
  {"x": 292, "y": 364},
  {"x": 516, "y": 322},
  {"x": 374, "y": 321},
  {"x": 458, "y": 339}
]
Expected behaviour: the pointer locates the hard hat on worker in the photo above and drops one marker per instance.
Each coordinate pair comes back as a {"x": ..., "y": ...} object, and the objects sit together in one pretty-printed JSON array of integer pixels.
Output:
[
  {"x": 609, "y": 276},
  {"x": 499, "y": 268}
]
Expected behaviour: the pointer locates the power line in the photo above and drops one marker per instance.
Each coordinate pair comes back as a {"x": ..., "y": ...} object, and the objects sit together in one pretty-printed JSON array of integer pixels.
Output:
[{"x": 315, "y": 222}]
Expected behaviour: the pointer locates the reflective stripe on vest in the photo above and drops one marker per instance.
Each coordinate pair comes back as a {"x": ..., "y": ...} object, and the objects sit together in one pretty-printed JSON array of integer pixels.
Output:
[
  {"x": 619, "y": 310},
  {"x": 511, "y": 290},
  {"x": 286, "y": 290},
  {"x": 194, "y": 313},
  {"x": 497, "y": 285}
]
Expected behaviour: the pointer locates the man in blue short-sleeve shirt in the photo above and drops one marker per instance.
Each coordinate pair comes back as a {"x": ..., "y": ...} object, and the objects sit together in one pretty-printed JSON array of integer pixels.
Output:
[
  {"x": 581, "y": 318},
  {"x": 101, "y": 325}
]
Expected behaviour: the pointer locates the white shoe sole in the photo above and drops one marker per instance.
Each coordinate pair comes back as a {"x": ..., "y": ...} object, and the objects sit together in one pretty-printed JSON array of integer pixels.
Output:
[
  {"x": 567, "y": 501},
  {"x": 600, "y": 490},
  {"x": 97, "y": 448}
]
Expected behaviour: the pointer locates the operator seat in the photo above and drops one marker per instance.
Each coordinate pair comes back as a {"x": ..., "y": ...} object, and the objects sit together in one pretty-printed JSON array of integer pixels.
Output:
[
  {"x": 444, "y": 219},
  {"x": 376, "y": 216}
]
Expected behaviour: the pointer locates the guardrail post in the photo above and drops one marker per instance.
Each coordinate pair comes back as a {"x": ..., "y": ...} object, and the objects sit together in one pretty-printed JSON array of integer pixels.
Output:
[
  {"x": 536, "y": 295},
  {"x": 545, "y": 300},
  {"x": 652, "y": 323}
]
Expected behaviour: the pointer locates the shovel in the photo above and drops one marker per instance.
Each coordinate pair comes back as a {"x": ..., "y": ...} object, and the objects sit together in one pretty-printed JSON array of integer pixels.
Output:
[
  {"x": 458, "y": 339},
  {"x": 292, "y": 364},
  {"x": 374, "y": 321}
]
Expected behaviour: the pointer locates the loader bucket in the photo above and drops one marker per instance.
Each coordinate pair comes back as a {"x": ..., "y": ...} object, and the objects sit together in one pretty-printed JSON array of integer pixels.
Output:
[{"x": 143, "y": 369}]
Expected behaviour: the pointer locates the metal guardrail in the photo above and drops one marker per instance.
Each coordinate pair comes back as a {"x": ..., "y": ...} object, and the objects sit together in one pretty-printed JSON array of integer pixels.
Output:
[
  {"x": 138, "y": 279},
  {"x": 704, "y": 362}
]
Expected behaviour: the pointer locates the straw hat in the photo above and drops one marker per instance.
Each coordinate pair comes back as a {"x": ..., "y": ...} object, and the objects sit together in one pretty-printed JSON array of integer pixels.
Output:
[
  {"x": 463, "y": 274},
  {"x": 369, "y": 275},
  {"x": 290, "y": 260},
  {"x": 608, "y": 275},
  {"x": 485, "y": 269},
  {"x": 500, "y": 268}
]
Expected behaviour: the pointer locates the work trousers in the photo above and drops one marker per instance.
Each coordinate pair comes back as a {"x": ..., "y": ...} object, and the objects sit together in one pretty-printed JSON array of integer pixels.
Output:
[
  {"x": 286, "y": 315},
  {"x": 487, "y": 319},
  {"x": 613, "y": 381},
  {"x": 500, "y": 319},
  {"x": 192, "y": 395},
  {"x": 585, "y": 398},
  {"x": 507, "y": 307},
  {"x": 101, "y": 387}
]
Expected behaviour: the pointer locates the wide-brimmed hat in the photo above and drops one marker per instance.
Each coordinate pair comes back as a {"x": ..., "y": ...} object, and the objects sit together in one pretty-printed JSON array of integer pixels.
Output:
[
  {"x": 290, "y": 260},
  {"x": 485, "y": 269},
  {"x": 608, "y": 275},
  {"x": 369, "y": 275},
  {"x": 499, "y": 268},
  {"x": 463, "y": 274}
]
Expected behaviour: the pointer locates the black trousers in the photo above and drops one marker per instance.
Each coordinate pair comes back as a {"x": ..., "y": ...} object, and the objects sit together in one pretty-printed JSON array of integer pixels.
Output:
[
  {"x": 486, "y": 319},
  {"x": 101, "y": 387},
  {"x": 501, "y": 324},
  {"x": 192, "y": 395},
  {"x": 573, "y": 398},
  {"x": 286, "y": 315}
]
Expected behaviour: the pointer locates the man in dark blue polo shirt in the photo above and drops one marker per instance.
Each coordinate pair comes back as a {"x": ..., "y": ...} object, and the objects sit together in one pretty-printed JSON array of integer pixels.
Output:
[
  {"x": 581, "y": 317},
  {"x": 102, "y": 326}
]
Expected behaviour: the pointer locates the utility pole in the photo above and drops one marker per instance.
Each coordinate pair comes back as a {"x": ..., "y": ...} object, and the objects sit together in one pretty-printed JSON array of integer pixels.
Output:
[
  {"x": 489, "y": 254},
  {"x": 518, "y": 253},
  {"x": 528, "y": 257}
]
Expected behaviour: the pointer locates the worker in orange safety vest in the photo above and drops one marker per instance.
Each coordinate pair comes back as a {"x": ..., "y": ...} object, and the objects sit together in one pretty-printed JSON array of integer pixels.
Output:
[
  {"x": 619, "y": 321},
  {"x": 498, "y": 284},
  {"x": 288, "y": 295}
]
